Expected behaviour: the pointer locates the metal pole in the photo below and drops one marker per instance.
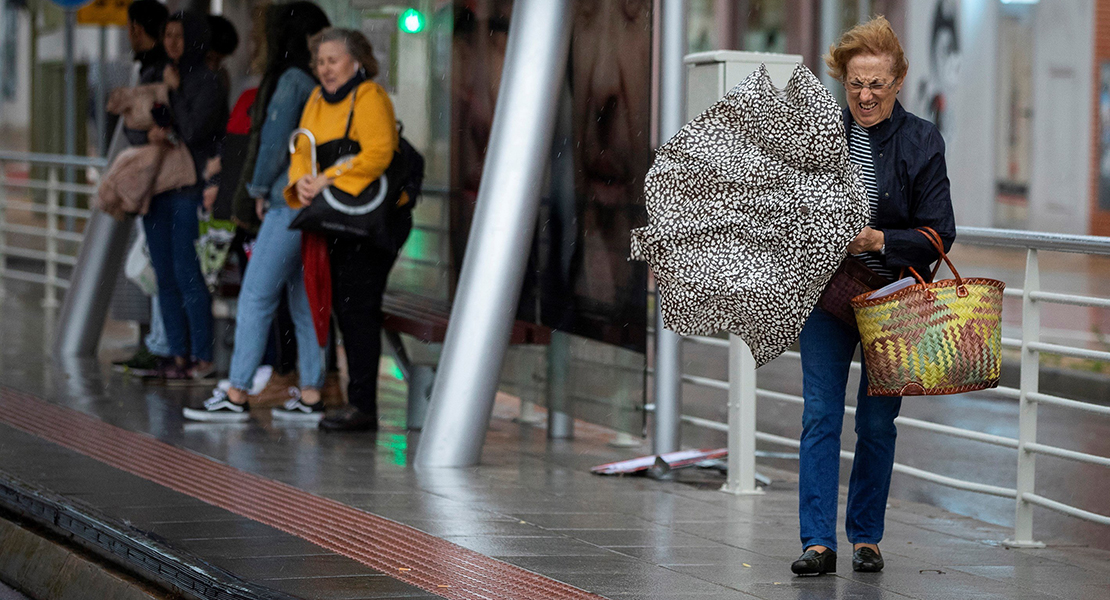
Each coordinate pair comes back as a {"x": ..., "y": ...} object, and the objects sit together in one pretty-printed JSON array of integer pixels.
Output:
[
  {"x": 1027, "y": 409},
  {"x": 741, "y": 419},
  {"x": 560, "y": 416},
  {"x": 560, "y": 413},
  {"x": 3, "y": 228},
  {"x": 102, "y": 93},
  {"x": 863, "y": 10},
  {"x": 70, "y": 107},
  {"x": 667, "y": 431},
  {"x": 94, "y": 277},
  {"x": 501, "y": 235},
  {"x": 90, "y": 287},
  {"x": 830, "y": 27},
  {"x": 50, "y": 291}
]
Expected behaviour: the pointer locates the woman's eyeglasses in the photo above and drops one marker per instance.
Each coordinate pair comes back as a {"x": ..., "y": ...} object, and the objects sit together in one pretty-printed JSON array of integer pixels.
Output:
[{"x": 856, "y": 86}]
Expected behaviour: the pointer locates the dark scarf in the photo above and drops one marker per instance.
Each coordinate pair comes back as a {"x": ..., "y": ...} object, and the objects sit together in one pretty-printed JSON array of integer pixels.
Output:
[{"x": 345, "y": 89}]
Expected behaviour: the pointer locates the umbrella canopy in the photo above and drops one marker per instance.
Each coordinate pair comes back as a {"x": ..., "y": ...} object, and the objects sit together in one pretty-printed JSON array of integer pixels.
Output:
[{"x": 751, "y": 207}]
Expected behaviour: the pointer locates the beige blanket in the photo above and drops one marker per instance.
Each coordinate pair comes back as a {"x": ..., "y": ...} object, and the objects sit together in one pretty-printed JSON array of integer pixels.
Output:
[{"x": 139, "y": 173}]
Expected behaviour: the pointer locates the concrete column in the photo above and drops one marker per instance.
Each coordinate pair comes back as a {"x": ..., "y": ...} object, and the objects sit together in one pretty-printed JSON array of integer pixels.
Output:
[{"x": 500, "y": 236}]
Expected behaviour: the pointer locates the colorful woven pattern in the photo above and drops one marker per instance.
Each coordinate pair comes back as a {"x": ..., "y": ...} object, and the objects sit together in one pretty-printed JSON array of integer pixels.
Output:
[
  {"x": 933, "y": 338},
  {"x": 926, "y": 339}
]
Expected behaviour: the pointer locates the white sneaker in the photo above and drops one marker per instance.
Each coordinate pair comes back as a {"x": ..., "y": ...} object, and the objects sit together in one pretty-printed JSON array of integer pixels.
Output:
[
  {"x": 295, "y": 409},
  {"x": 219, "y": 409}
]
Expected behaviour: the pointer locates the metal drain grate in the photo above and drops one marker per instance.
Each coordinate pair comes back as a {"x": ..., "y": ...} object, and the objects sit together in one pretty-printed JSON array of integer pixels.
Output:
[
  {"x": 155, "y": 562},
  {"x": 402, "y": 552}
]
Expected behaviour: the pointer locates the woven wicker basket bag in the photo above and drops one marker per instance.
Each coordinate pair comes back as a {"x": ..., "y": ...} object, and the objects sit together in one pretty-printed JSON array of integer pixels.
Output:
[{"x": 934, "y": 338}]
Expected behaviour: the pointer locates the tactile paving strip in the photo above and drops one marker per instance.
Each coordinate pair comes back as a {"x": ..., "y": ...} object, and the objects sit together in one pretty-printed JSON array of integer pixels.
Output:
[{"x": 407, "y": 554}]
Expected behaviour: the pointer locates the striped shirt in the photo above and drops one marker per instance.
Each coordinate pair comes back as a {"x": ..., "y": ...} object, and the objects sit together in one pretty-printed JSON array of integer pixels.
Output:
[{"x": 859, "y": 148}]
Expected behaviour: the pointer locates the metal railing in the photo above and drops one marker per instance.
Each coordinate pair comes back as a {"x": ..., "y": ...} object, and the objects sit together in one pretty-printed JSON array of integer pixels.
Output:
[
  {"x": 743, "y": 392},
  {"x": 38, "y": 238}
]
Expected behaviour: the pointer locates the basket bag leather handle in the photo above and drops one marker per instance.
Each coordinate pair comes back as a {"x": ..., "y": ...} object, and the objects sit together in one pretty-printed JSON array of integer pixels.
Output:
[{"x": 938, "y": 244}]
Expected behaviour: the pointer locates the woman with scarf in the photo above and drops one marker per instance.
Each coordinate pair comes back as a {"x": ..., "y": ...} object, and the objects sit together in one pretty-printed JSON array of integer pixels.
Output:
[
  {"x": 275, "y": 265},
  {"x": 348, "y": 109},
  {"x": 195, "y": 116}
]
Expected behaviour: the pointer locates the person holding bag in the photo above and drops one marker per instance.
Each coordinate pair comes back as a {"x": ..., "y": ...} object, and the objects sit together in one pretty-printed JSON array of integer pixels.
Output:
[
  {"x": 902, "y": 161},
  {"x": 196, "y": 115},
  {"x": 352, "y": 122}
]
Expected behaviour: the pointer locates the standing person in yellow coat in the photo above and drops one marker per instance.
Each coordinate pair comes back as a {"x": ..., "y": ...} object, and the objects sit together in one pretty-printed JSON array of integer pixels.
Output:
[{"x": 351, "y": 118}]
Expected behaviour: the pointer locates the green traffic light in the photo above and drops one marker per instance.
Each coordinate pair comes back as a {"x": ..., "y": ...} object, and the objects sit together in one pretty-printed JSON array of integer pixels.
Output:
[{"x": 411, "y": 21}]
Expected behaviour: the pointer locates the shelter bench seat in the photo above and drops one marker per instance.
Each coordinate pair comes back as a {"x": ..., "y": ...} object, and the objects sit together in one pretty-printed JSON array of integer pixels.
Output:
[{"x": 426, "y": 320}]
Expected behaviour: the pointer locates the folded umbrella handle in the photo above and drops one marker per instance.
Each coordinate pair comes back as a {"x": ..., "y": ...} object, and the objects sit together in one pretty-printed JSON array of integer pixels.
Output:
[{"x": 311, "y": 142}]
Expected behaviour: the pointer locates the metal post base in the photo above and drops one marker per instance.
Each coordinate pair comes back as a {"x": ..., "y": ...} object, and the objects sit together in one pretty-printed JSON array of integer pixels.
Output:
[
  {"x": 560, "y": 426},
  {"x": 1022, "y": 545},
  {"x": 625, "y": 440}
]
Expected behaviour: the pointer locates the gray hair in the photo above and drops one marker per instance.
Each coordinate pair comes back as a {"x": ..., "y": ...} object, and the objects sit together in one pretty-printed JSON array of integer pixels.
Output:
[{"x": 356, "y": 44}]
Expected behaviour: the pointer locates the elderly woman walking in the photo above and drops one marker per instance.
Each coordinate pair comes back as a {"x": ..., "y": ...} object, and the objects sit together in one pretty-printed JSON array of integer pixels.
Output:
[{"x": 903, "y": 167}]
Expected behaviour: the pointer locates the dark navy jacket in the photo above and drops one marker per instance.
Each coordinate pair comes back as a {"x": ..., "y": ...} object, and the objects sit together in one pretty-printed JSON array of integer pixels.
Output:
[{"x": 908, "y": 153}]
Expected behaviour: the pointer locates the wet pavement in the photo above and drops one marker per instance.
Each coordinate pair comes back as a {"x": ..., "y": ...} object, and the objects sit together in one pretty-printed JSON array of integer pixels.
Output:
[{"x": 533, "y": 503}]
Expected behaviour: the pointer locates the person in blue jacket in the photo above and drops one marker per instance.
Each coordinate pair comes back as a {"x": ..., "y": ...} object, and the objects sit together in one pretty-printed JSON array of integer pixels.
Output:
[
  {"x": 275, "y": 264},
  {"x": 902, "y": 161}
]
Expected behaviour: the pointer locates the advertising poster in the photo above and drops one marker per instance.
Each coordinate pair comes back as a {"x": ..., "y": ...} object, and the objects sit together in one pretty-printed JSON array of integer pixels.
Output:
[{"x": 579, "y": 277}]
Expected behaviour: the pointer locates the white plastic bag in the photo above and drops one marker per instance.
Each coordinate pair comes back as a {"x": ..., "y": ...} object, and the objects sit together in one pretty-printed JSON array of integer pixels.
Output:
[{"x": 138, "y": 268}]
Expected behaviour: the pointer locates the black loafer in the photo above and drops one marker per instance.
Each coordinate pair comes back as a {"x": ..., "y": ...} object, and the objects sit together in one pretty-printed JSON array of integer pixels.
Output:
[
  {"x": 866, "y": 560},
  {"x": 815, "y": 563},
  {"x": 349, "y": 418}
]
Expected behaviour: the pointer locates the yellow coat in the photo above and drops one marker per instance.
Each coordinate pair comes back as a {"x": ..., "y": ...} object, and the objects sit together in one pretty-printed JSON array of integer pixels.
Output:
[{"x": 373, "y": 127}]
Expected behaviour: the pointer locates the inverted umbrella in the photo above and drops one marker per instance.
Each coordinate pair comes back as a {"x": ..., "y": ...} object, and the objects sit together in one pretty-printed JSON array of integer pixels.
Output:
[{"x": 751, "y": 207}]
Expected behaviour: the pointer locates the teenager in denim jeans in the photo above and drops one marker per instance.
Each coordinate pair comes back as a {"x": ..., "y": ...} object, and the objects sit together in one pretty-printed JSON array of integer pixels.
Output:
[
  {"x": 275, "y": 265},
  {"x": 196, "y": 113}
]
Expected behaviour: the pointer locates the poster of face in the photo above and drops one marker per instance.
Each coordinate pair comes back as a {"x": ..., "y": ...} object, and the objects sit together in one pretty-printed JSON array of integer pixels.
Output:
[
  {"x": 936, "y": 86},
  {"x": 579, "y": 278}
]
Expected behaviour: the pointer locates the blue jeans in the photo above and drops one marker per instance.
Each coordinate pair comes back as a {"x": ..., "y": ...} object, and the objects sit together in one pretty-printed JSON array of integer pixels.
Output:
[
  {"x": 156, "y": 341},
  {"x": 827, "y": 346},
  {"x": 274, "y": 268},
  {"x": 171, "y": 233}
]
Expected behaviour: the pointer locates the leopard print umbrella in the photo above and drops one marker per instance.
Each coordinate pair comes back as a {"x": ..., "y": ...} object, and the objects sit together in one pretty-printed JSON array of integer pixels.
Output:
[{"x": 751, "y": 207}]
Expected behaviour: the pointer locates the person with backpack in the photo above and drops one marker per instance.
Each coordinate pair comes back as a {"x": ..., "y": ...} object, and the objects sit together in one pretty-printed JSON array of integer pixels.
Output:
[{"x": 275, "y": 268}]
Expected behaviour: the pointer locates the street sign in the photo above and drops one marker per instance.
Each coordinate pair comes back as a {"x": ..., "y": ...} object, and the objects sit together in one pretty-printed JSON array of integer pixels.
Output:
[{"x": 104, "y": 12}]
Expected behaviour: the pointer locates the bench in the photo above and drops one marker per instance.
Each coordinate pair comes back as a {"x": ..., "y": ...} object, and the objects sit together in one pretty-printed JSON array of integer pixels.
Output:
[{"x": 426, "y": 319}]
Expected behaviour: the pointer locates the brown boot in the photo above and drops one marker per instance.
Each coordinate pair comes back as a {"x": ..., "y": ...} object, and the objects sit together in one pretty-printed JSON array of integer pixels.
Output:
[
  {"x": 332, "y": 392},
  {"x": 276, "y": 392}
]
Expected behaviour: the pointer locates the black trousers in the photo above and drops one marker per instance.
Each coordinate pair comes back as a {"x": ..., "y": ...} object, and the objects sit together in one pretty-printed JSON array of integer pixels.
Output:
[{"x": 358, "y": 276}]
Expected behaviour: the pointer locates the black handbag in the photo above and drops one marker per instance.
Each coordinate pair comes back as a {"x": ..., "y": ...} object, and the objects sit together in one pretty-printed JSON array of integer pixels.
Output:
[{"x": 374, "y": 213}]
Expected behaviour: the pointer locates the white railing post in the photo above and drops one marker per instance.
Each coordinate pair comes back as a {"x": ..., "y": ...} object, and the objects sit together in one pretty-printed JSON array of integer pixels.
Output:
[
  {"x": 3, "y": 228},
  {"x": 741, "y": 419},
  {"x": 1027, "y": 415},
  {"x": 50, "y": 294}
]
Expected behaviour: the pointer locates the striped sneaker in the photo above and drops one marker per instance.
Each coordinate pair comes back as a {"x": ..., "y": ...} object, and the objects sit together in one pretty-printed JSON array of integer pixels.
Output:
[
  {"x": 295, "y": 409},
  {"x": 219, "y": 409}
]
